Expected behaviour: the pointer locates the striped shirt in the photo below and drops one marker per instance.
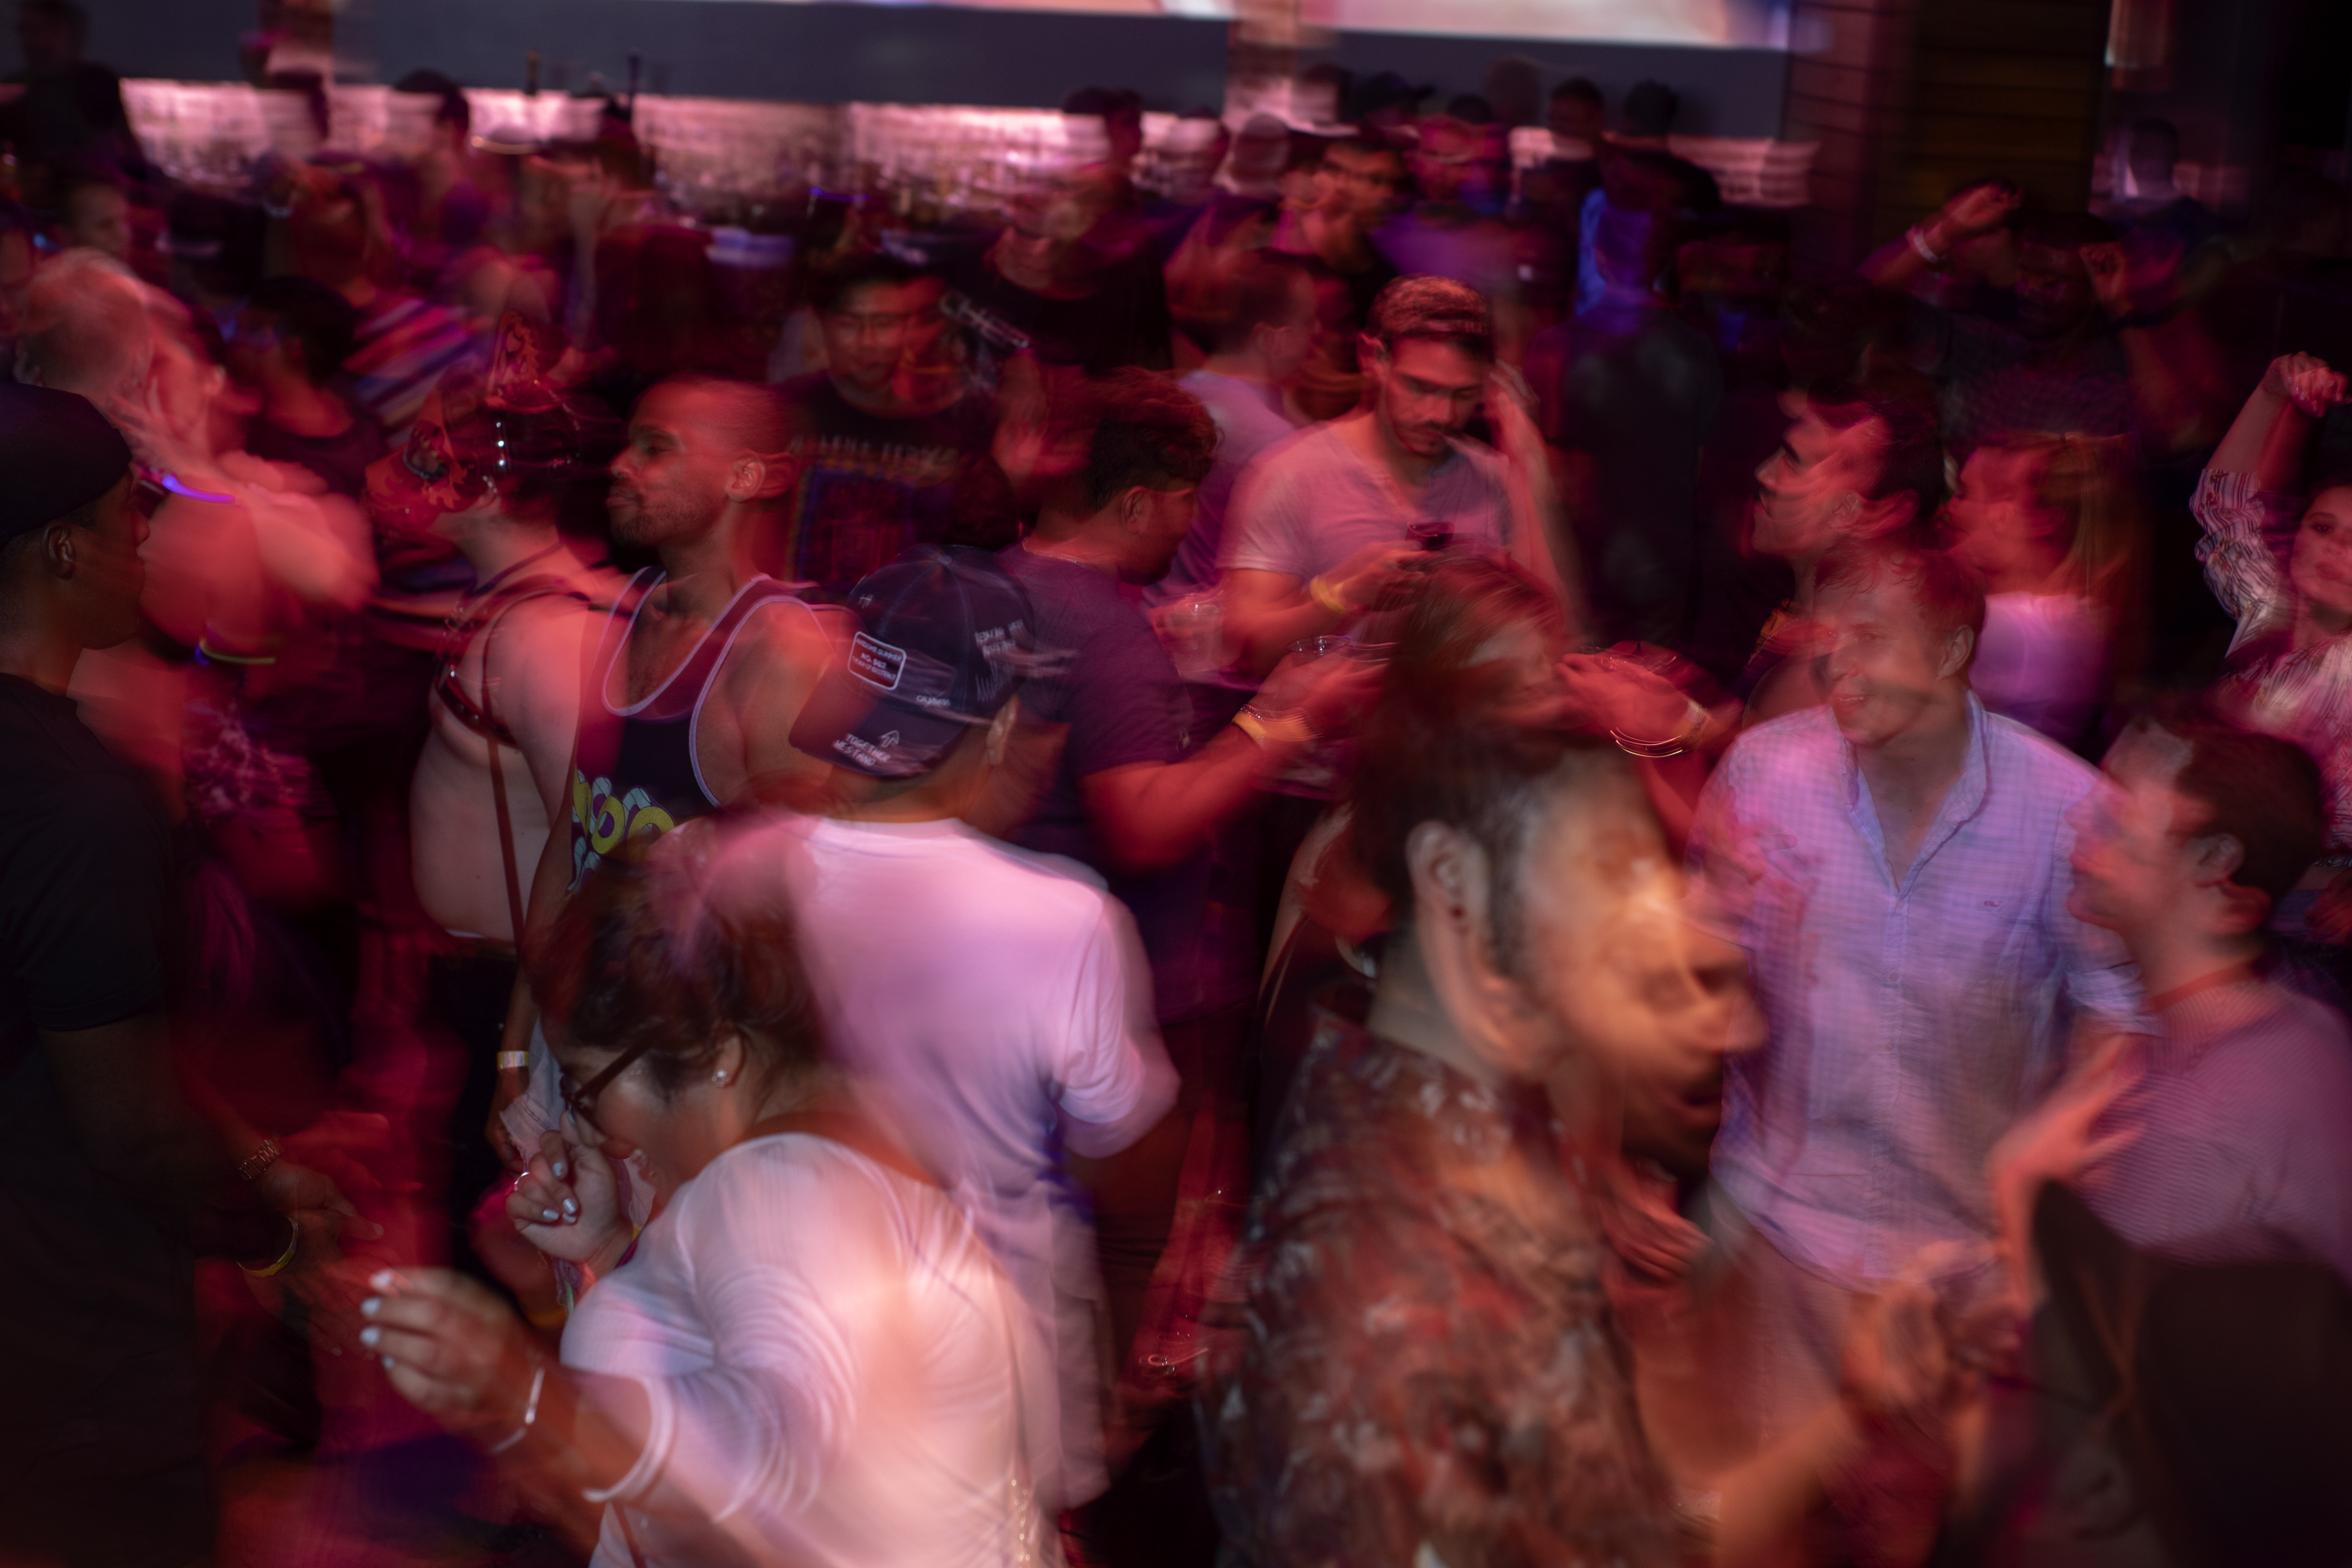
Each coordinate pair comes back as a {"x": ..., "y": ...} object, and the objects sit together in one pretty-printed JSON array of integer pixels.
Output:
[
  {"x": 2304, "y": 695},
  {"x": 403, "y": 344},
  {"x": 2242, "y": 1107},
  {"x": 1909, "y": 1024}
]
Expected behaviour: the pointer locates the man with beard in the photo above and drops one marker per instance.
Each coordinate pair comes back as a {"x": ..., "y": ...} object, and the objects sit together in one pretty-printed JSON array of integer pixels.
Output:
[
  {"x": 703, "y": 665},
  {"x": 1895, "y": 861},
  {"x": 1325, "y": 527}
]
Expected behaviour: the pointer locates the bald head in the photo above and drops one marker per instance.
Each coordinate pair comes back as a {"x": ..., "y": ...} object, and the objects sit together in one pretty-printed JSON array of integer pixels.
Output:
[
  {"x": 700, "y": 449},
  {"x": 738, "y": 416}
]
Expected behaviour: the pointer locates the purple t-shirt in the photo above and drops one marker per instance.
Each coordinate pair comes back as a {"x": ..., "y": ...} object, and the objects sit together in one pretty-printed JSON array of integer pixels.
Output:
[{"x": 1107, "y": 679}]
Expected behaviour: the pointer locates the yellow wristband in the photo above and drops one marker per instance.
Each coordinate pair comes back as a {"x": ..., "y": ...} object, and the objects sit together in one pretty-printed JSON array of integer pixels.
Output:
[
  {"x": 1324, "y": 593},
  {"x": 1274, "y": 729},
  {"x": 284, "y": 1257},
  {"x": 513, "y": 1062}
]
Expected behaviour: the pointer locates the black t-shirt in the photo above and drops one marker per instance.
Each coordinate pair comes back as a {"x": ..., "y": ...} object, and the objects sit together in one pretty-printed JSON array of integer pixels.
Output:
[
  {"x": 84, "y": 877},
  {"x": 871, "y": 485},
  {"x": 1107, "y": 678},
  {"x": 99, "y": 1307},
  {"x": 1124, "y": 320}
]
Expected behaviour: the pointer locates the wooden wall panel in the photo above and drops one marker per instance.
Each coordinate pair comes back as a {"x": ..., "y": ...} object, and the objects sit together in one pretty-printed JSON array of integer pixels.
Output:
[{"x": 1910, "y": 98}]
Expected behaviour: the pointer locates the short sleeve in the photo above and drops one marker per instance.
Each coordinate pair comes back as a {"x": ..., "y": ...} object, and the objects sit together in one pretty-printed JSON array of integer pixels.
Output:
[
  {"x": 1263, "y": 530},
  {"x": 1112, "y": 1067},
  {"x": 85, "y": 906}
]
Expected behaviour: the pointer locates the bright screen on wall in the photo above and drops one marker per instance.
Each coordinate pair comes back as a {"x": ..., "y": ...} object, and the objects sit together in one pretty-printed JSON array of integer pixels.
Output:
[{"x": 1722, "y": 23}]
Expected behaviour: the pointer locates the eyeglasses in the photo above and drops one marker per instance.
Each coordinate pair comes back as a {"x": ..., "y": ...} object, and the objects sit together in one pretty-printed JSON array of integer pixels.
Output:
[{"x": 580, "y": 1099}]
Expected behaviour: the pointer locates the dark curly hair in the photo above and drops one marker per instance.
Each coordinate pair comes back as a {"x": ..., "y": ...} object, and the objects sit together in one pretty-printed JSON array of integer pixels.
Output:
[
  {"x": 656, "y": 956},
  {"x": 1141, "y": 429}
]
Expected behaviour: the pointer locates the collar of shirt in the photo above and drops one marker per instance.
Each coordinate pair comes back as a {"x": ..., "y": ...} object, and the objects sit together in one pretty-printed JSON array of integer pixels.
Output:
[{"x": 1962, "y": 802}]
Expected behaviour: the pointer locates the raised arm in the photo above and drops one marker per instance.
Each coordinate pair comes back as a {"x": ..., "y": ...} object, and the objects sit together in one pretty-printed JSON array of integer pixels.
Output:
[
  {"x": 1977, "y": 210},
  {"x": 2266, "y": 438}
]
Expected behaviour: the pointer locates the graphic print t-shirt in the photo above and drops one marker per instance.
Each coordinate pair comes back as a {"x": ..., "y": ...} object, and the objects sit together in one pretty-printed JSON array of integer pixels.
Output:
[{"x": 871, "y": 485}]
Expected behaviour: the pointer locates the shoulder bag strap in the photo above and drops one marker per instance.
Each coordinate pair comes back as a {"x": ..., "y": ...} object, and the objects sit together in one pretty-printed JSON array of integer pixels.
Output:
[{"x": 538, "y": 589}]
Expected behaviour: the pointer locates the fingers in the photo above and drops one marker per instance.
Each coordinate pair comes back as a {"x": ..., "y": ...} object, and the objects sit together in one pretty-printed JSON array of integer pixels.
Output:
[{"x": 532, "y": 1202}]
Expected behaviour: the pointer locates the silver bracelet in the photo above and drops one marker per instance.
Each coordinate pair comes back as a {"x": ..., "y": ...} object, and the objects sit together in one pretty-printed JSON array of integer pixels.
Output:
[
  {"x": 530, "y": 1411},
  {"x": 1918, "y": 238}
]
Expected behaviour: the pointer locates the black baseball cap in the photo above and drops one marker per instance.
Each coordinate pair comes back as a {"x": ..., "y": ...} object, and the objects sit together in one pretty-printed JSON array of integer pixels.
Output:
[
  {"x": 945, "y": 636},
  {"x": 57, "y": 452}
]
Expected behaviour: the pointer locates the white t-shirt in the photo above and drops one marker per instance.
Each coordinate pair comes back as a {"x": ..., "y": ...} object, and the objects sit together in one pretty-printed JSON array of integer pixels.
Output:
[
  {"x": 981, "y": 994},
  {"x": 826, "y": 1352},
  {"x": 1306, "y": 505}
]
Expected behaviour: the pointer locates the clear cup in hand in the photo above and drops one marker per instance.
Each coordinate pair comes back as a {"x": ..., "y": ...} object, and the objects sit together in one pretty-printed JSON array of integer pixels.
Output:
[{"x": 1194, "y": 632}]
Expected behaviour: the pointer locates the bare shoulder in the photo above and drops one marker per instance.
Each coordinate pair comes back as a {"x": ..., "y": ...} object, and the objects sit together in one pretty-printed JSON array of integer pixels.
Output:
[{"x": 778, "y": 650}]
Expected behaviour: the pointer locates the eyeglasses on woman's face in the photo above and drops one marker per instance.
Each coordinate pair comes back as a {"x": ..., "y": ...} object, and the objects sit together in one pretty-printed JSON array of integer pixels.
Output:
[{"x": 580, "y": 1099}]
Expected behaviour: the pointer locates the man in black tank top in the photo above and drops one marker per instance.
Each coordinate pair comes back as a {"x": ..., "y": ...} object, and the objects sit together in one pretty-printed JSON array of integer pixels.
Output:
[{"x": 691, "y": 693}]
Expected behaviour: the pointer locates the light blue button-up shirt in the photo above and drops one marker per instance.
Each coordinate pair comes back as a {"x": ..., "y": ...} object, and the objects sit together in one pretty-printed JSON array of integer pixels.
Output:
[{"x": 1910, "y": 1024}]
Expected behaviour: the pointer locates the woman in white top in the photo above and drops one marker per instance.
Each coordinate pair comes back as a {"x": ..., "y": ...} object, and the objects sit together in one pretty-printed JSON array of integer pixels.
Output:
[
  {"x": 2048, "y": 522},
  {"x": 807, "y": 1356}
]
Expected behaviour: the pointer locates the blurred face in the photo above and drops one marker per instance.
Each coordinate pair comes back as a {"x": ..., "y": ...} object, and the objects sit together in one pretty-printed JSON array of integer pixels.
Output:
[
  {"x": 1447, "y": 159},
  {"x": 1811, "y": 488},
  {"x": 1997, "y": 514},
  {"x": 1061, "y": 206},
  {"x": 1425, "y": 393},
  {"x": 875, "y": 328},
  {"x": 1354, "y": 182},
  {"x": 255, "y": 351},
  {"x": 2054, "y": 290},
  {"x": 679, "y": 1135},
  {"x": 1286, "y": 345},
  {"x": 1524, "y": 657},
  {"x": 2321, "y": 565},
  {"x": 99, "y": 217},
  {"x": 1991, "y": 256},
  {"x": 1190, "y": 164},
  {"x": 1575, "y": 120},
  {"x": 1157, "y": 521},
  {"x": 1615, "y": 971},
  {"x": 670, "y": 483},
  {"x": 109, "y": 573},
  {"x": 2134, "y": 860},
  {"x": 426, "y": 489},
  {"x": 1884, "y": 666}
]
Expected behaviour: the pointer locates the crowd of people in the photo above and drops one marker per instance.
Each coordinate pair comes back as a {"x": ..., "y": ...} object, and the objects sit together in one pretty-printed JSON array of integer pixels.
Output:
[{"x": 1367, "y": 860}]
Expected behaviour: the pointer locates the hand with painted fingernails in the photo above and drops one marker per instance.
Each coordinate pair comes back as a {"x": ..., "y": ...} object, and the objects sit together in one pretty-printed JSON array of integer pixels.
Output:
[
  {"x": 451, "y": 1348},
  {"x": 567, "y": 1204}
]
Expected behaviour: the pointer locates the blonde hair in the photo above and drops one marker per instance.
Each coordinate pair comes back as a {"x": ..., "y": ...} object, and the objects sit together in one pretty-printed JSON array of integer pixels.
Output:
[{"x": 2088, "y": 482}]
